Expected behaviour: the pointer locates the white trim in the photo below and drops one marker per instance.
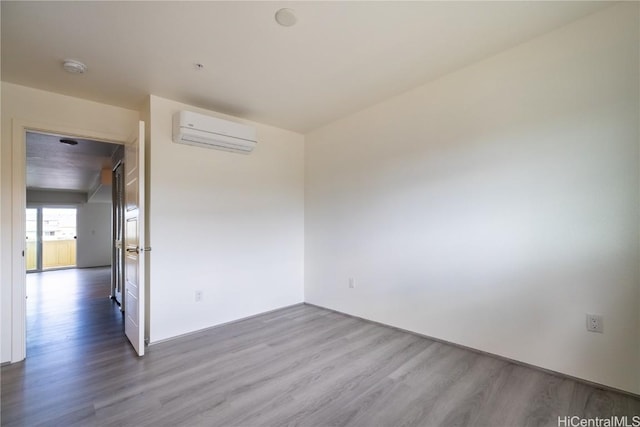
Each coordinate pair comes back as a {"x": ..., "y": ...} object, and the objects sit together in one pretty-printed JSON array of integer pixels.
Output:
[
  {"x": 231, "y": 322},
  {"x": 18, "y": 269},
  {"x": 486, "y": 353},
  {"x": 19, "y": 203}
]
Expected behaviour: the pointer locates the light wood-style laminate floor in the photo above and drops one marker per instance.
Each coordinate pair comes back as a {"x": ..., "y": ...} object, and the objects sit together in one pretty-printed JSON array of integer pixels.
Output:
[{"x": 301, "y": 365}]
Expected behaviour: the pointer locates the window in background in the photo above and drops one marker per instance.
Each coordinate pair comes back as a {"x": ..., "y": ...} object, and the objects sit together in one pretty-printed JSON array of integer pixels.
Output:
[{"x": 51, "y": 238}]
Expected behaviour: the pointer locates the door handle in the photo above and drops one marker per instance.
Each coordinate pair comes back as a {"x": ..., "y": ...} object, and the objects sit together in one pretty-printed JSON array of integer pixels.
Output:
[{"x": 138, "y": 249}]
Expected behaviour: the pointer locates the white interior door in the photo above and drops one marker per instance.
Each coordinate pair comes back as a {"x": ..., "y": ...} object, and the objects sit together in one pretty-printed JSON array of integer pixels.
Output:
[{"x": 134, "y": 236}]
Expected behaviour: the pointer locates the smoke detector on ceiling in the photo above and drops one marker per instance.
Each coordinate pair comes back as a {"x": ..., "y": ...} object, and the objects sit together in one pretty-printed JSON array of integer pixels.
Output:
[
  {"x": 74, "y": 67},
  {"x": 286, "y": 17}
]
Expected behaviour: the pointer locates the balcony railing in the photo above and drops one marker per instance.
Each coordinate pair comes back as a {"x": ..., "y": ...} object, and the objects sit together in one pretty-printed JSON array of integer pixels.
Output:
[{"x": 55, "y": 254}]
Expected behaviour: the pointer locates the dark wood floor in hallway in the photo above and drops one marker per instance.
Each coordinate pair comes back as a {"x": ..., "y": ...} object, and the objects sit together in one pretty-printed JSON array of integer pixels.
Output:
[{"x": 301, "y": 365}]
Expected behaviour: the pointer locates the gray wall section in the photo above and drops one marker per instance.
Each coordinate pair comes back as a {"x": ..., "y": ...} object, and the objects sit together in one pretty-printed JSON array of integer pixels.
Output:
[
  {"x": 51, "y": 197},
  {"x": 94, "y": 235}
]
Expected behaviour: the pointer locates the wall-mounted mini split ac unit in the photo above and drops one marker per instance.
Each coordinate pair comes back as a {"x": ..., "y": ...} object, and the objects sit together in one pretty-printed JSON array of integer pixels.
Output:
[{"x": 210, "y": 132}]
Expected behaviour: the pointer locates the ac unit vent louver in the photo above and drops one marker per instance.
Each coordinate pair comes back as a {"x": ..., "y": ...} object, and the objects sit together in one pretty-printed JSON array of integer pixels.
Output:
[{"x": 211, "y": 132}]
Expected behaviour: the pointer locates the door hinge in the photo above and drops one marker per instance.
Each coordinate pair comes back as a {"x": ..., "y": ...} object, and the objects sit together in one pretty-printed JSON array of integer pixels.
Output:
[{"x": 23, "y": 253}]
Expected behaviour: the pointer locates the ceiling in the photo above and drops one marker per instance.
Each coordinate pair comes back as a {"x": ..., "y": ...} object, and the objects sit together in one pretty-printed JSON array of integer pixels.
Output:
[
  {"x": 339, "y": 58},
  {"x": 52, "y": 165}
]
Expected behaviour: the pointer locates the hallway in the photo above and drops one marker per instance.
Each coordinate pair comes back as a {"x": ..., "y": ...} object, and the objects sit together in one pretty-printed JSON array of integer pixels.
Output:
[
  {"x": 69, "y": 316},
  {"x": 69, "y": 309}
]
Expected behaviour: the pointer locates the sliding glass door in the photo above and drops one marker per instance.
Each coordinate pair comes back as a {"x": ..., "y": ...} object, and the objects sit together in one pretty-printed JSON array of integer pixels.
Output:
[{"x": 51, "y": 238}]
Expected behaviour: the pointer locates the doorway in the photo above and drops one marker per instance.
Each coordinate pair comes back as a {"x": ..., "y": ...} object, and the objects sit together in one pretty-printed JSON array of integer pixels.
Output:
[
  {"x": 69, "y": 235},
  {"x": 51, "y": 238},
  {"x": 22, "y": 196}
]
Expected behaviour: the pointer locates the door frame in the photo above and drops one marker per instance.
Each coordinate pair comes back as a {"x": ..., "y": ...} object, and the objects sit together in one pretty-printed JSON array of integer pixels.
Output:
[
  {"x": 19, "y": 129},
  {"x": 117, "y": 256}
]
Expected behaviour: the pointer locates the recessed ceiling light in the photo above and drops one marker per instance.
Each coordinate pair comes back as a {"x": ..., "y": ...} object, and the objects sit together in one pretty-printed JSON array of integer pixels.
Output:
[
  {"x": 74, "y": 67},
  {"x": 286, "y": 17},
  {"x": 68, "y": 141}
]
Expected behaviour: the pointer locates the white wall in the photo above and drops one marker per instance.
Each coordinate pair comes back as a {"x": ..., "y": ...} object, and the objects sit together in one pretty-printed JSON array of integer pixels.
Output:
[
  {"x": 495, "y": 206},
  {"x": 94, "y": 235},
  {"x": 228, "y": 224},
  {"x": 42, "y": 108}
]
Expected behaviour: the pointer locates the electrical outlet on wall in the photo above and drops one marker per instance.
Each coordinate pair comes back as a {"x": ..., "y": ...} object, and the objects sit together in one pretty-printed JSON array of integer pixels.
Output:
[
  {"x": 198, "y": 296},
  {"x": 352, "y": 283},
  {"x": 595, "y": 323}
]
